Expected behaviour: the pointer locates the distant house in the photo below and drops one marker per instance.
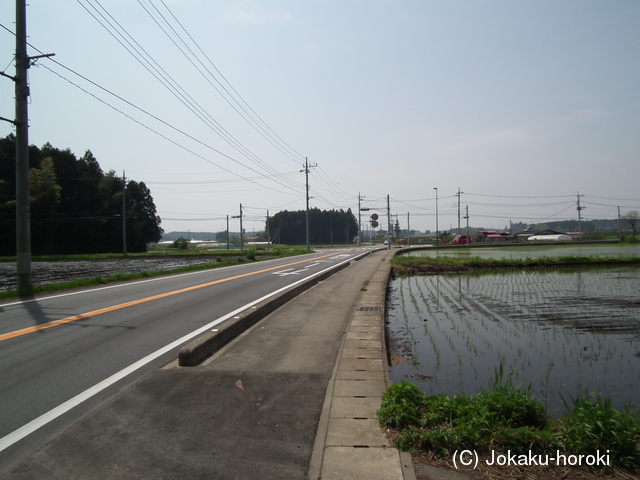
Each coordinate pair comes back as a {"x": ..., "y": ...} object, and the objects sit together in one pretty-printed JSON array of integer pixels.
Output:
[
  {"x": 492, "y": 236},
  {"x": 499, "y": 237}
]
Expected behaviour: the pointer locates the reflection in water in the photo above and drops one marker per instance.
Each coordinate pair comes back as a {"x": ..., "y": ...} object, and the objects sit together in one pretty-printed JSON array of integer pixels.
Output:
[{"x": 558, "y": 331}]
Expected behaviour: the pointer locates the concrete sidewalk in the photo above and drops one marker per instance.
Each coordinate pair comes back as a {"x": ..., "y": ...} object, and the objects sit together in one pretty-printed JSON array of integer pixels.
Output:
[
  {"x": 293, "y": 397},
  {"x": 350, "y": 443}
]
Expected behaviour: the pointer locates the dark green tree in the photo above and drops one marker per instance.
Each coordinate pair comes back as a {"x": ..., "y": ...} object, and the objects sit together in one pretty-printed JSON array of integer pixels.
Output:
[
  {"x": 325, "y": 227},
  {"x": 75, "y": 207}
]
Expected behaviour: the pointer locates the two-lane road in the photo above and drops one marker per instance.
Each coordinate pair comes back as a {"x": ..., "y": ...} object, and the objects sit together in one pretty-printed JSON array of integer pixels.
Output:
[{"x": 63, "y": 354}]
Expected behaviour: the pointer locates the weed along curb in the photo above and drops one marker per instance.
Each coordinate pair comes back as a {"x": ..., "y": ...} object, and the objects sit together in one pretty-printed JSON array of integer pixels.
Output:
[{"x": 203, "y": 347}]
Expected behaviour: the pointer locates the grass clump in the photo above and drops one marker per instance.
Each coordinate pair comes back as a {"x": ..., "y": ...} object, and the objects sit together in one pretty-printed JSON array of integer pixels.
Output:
[
  {"x": 507, "y": 418},
  {"x": 405, "y": 265}
]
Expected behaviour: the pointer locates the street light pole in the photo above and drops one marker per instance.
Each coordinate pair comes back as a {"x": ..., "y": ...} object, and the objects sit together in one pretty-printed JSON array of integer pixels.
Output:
[{"x": 437, "y": 232}]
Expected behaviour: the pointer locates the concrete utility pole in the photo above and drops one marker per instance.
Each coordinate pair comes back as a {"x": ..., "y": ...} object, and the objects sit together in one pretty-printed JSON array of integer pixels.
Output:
[
  {"x": 458, "y": 195},
  {"x": 306, "y": 174},
  {"x": 21, "y": 123},
  {"x": 437, "y": 232},
  {"x": 227, "y": 233},
  {"x": 388, "y": 224},
  {"x": 619, "y": 226},
  {"x": 466, "y": 216},
  {"x": 241, "y": 232},
  {"x": 408, "y": 231},
  {"x": 579, "y": 208},
  {"x": 124, "y": 214},
  {"x": 23, "y": 217},
  {"x": 266, "y": 228},
  {"x": 360, "y": 197}
]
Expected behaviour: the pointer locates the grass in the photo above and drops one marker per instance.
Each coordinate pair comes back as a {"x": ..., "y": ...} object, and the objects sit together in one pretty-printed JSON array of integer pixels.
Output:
[
  {"x": 408, "y": 265},
  {"x": 234, "y": 258},
  {"x": 506, "y": 417}
]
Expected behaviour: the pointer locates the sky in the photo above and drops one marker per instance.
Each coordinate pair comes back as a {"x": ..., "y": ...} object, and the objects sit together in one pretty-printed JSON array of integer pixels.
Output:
[{"x": 521, "y": 106}]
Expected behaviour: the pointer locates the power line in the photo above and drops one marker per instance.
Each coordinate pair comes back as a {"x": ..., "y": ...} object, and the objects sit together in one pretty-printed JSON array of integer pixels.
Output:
[
  {"x": 134, "y": 48},
  {"x": 159, "y": 120},
  {"x": 296, "y": 153}
]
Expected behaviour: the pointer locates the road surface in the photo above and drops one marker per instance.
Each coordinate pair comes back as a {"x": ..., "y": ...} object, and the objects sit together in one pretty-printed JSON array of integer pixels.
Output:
[{"x": 64, "y": 354}]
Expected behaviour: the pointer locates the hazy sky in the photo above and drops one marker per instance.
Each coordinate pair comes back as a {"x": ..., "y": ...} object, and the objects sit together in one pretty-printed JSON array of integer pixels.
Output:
[{"x": 520, "y": 104}]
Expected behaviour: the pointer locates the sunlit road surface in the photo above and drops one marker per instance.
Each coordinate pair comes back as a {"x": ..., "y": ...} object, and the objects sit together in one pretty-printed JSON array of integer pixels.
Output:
[{"x": 63, "y": 354}]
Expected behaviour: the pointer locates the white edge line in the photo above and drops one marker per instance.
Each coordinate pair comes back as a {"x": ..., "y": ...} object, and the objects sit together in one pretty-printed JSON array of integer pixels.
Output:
[{"x": 45, "y": 418}]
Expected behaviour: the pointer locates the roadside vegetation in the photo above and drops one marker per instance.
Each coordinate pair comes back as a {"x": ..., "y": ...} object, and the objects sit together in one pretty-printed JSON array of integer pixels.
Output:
[
  {"x": 219, "y": 258},
  {"x": 405, "y": 265},
  {"x": 506, "y": 418}
]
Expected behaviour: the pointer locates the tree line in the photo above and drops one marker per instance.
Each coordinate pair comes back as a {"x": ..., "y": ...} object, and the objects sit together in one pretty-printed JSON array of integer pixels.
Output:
[
  {"x": 325, "y": 227},
  {"x": 75, "y": 206}
]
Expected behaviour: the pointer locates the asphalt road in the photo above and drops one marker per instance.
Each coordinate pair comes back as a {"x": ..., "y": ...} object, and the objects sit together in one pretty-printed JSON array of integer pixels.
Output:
[{"x": 68, "y": 353}]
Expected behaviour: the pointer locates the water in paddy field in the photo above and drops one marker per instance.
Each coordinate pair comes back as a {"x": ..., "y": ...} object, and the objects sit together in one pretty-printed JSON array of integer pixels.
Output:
[
  {"x": 558, "y": 331},
  {"x": 533, "y": 251}
]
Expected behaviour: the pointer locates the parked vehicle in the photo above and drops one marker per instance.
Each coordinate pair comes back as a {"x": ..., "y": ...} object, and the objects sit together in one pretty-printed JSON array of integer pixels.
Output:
[{"x": 462, "y": 240}]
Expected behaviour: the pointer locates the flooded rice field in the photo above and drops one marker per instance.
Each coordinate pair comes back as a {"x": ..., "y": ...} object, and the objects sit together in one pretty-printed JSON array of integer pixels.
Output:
[
  {"x": 560, "y": 331},
  {"x": 533, "y": 251},
  {"x": 61, "y": 271}
]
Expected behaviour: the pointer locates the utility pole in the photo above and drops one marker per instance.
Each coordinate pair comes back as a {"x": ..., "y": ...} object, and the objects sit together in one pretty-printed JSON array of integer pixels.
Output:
[
  {"x": 579, "y": 208},
  {"x": 437, "y": 232},
  {"x": 23, "y": 216},
  {"x": 458, "y": 195},
  {"x": 21, "y": 123},
  {"x": 267, "y": 228},
  {"x": 241, "y": 232},
  {"x": 306, "y": 174},
  {"x": 388, "y": 224},
  {"x": 619, "y": 226},
  {"x": 227, "y": 233},
  {"x": 408, "y": 231},
  {"x": 360, "y": 197},
  {"x": 466, "y": 216},
  {"x": 124, "y": 214}
]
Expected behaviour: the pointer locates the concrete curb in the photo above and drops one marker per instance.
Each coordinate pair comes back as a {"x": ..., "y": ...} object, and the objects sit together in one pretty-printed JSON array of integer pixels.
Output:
[
  {"x": 196, "y": 351},
  {"x": 349, "y": 441}
]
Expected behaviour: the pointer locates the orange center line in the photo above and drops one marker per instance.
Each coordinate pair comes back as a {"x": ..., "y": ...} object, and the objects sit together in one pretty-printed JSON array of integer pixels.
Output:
[{"x": 55, "y": 323}]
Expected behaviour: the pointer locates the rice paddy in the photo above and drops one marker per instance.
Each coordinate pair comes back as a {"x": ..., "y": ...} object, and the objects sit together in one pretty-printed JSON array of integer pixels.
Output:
[{"x": 560, "y": 332}]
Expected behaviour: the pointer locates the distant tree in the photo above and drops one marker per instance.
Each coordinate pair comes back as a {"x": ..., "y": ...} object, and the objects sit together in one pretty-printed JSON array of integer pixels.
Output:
[
  {"x": 324, "y": 226},
  {"x": 181, "y": 243},
  {"x": 631, "y": 218},
  {"x": 75, "y": 207}
]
